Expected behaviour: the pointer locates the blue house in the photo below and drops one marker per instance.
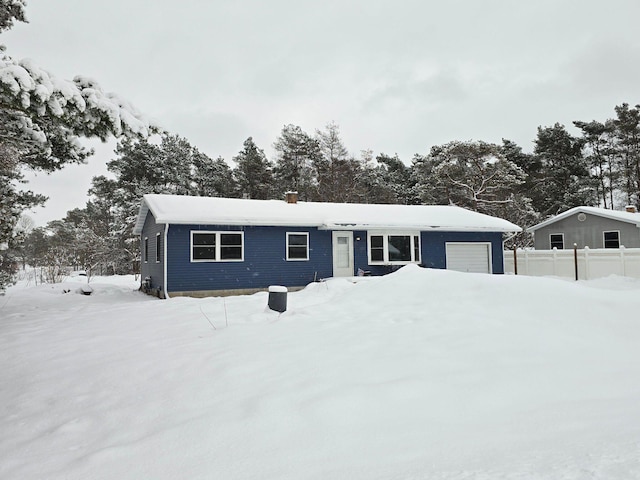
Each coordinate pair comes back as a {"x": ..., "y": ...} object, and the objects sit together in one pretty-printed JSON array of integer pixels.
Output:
[{"x": 201, "y": 246}]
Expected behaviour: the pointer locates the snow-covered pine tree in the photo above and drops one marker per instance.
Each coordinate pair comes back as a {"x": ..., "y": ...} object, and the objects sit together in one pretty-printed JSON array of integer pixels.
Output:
[
  {"x": 42, "y": 119},
  {"x": 627, "y": 147},
  {"x": 253, "y": 172},
  {"x": 474, "y": 175},
  {"x": 471, "y": 174},
  {"x": 565, "y": 181},
  {"x": 296, "y": 155},
  {"x": 212, "y": 178},
  {"x": 602, "y": 156},
  {"x": 141, "y": 167}
]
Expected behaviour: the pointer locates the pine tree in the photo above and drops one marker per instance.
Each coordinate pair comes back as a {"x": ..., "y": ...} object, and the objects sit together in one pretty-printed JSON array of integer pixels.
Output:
[
  {"x": 10, "y": 12},
  {"x": 212, "y": 178},
  {"x": 42, "y": 119},
  {"x": 389, "y": 180},
  {"x": 253, "y": 172},
  {"x": 565, "y": 181},
  {"x": 175, "y": 163},
  {"x": 627, "y": 138},
  {"x": 397, "y": 178},
  {"x": 478, "y": 176},
  {"x": 601, "y": 155},
  {"x": 297, "y": 153},
  {"x": 471, "y": 174},
  {"x": 334, "y": 171}
]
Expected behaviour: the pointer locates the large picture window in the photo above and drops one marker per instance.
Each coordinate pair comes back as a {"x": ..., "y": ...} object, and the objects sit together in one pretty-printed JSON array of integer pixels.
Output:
[
  {"x": 217, "y": 246},
  {"x": 297, "y": 246},
  {"x": 394, "y": 248}
]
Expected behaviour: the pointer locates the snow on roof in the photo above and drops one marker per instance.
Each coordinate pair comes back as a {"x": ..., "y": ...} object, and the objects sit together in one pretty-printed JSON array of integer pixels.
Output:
[
  {"x": 176, "y": 209},
  {"x": 601, "y": 212}
]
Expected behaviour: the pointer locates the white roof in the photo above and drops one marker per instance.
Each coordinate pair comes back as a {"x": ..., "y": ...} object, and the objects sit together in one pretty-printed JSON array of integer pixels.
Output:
[
  {"x": 601, "y": 212},
  {"x": 176, "y": 209}
]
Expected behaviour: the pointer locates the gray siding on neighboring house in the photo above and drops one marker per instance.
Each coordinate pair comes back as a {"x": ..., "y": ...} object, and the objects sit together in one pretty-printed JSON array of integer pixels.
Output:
[
  {"x": 588, "y": 233},
  {"x": 151, "y": 267}
]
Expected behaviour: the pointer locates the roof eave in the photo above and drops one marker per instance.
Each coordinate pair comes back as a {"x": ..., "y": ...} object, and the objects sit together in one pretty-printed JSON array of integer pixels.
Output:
[
  {"x": 236, "y": 222},
  {"x": 422, "y": 228},
  {"x": 142, "y": 216},
  {"x": 574, "y": 211}
]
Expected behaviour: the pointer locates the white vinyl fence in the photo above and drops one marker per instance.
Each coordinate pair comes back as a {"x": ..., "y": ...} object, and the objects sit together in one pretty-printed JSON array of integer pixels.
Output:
[{"x": 591, "y": 262}]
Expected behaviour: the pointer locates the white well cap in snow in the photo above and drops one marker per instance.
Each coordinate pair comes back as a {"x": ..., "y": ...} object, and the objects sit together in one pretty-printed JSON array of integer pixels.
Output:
[{"x": 277, "y": 288}]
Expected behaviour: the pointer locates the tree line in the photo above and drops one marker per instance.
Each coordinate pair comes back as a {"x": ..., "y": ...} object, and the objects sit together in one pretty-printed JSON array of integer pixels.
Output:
[
  {"x": 43, "y": 118},
  {"x": 599, "y": 166}
]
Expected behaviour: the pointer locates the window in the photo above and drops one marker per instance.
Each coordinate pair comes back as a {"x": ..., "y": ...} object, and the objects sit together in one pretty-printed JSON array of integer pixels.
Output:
[
  {"x": 611, "y": 239},
  {"x": 145, "y": 250},
  {"x": 556, "y": 240},
  {"x": 217, "y": 246},
  {"x": 394, "y": 248},
  {"x": 231, "y": 246},
  {"x": 157, "y": 248},
  {"x": 297, "y": 246},
  {"x": 376, "y": 248}
]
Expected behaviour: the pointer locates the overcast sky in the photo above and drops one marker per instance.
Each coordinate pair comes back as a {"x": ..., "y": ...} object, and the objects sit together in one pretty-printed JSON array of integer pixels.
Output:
[{"x": 396, "y": 76}]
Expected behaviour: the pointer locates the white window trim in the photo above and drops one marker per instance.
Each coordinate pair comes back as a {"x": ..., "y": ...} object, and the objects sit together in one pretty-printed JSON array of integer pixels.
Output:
[
  {"x": 217, "y": 233},
  {"x": 562, "y": 234},
  {"x": 287, "y": 247},
  {"x": 385, "y": 245},
  {"x": 611, "y": 231},
  {"x": 145, "y": 249},
  {"x": 158, "y": 243}
]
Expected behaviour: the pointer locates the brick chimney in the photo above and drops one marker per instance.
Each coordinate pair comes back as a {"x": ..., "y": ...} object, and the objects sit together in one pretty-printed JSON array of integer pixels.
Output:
[
  {"x": 630, "y": 209},
  {"x": 291, "y": 197}
]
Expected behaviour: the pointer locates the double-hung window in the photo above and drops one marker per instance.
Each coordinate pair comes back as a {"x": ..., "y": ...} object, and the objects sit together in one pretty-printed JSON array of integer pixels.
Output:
[
  {"x": 556, "y": 240},
  {"x": 611, "y": 239},
  {"x": 297, "y": 246},
  {"x": 217, "y": 246},
  {"x": 394, "y": 248}
]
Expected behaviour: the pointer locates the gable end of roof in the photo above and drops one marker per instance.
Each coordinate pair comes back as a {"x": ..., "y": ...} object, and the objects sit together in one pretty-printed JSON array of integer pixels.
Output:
[{"x": 633, "y": 218}]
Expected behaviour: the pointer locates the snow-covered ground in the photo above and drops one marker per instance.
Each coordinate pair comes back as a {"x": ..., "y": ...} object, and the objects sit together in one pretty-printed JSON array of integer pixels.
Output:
[{"x": 420, "y": 374}]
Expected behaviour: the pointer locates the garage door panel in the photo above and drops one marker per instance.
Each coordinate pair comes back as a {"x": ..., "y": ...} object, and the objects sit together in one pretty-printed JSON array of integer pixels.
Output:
[{"x": 469, "y": 257}]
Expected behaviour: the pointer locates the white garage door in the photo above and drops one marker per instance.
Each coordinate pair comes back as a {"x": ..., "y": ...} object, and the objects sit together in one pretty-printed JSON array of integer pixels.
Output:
[{"x": 469, "y": 257}]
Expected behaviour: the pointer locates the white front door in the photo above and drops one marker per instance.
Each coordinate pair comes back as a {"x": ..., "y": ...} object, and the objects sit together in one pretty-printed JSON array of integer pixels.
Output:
[{"x": 342, "y": 254}]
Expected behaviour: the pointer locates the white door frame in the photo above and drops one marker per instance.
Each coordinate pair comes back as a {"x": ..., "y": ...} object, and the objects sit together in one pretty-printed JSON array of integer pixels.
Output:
[{"x": 342, "y": 271}]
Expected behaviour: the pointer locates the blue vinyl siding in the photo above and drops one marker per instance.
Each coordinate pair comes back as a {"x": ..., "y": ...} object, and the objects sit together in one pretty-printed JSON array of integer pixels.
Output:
[
  {"x": 265, "y": 253},
  {"x": 264, "y": 260},
  {"x": 151, "y": 268},
  {"x": 434, "y": 250},
  {"x": 433, "y": 254}
]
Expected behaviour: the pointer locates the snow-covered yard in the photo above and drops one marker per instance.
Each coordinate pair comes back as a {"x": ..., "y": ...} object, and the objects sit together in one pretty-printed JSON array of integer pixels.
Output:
[{"x": 419, "y": 374}]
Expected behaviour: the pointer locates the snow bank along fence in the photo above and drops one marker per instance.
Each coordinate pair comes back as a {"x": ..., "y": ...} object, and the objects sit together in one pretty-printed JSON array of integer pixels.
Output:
[{"x": 583, "y": 264}]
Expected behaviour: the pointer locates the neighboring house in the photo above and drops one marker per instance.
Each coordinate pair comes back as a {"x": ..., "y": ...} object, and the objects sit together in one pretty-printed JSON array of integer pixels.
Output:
[
  {"x": 588, "y": 227},
  {"x": 200, "y": 246}
]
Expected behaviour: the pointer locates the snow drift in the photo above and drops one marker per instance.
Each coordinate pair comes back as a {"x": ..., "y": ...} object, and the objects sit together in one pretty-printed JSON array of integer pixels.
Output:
[{"x": 419, "y": 374}]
